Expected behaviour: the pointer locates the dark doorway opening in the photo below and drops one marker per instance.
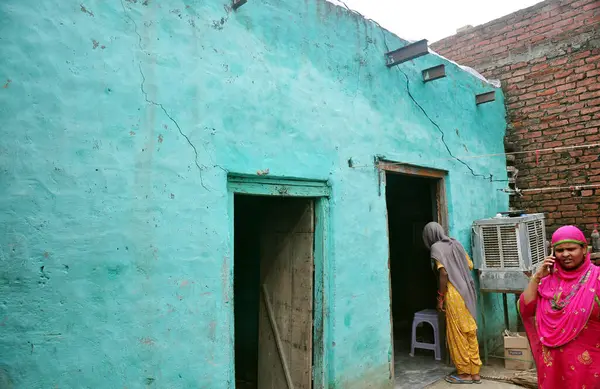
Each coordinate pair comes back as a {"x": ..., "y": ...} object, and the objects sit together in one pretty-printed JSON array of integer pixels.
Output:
[
  {"x": 412, "y": 202},
  {"x": 273, "y": 291}
]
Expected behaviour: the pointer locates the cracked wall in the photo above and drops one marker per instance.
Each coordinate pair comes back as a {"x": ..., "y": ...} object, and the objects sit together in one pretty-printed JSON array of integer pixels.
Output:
[{"x": 120, "y": 121}]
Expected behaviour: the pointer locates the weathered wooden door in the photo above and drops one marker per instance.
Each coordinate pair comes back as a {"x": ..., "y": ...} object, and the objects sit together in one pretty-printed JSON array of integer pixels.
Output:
[{"x": 286, "y": 311}]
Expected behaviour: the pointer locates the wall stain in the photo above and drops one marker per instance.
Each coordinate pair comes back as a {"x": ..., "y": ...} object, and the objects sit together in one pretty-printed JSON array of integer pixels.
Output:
[
  {"x": 218, "y": 24},
  {"x": 225, "y": 279},
  {"x": 5, "y": 380},
  {"x": 212, "y": 330},
  {"x": 147, "y": 341},
  {"x": 177, "y": 12}
]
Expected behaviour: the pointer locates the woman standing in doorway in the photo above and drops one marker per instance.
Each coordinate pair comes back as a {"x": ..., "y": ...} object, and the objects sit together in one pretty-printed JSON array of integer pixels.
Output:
[
  {"x": 457, "y": 297},
  {"x": 561, "y": 314}
]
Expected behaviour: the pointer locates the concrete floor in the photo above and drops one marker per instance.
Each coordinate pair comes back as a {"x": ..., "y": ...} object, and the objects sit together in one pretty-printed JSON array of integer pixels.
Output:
[
  {"x": 484, "y": 385},
  {"x": 418, "y": 371},
  {"x": 496, "y": 370}
]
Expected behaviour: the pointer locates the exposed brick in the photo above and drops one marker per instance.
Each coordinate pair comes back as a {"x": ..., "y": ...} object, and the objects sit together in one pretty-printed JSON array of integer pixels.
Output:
[
  {"x": 587, "y": 81},
  {"x": 582, "y": 54},
  {"x": 552, "y": 100},
  {"x": 547, "y": 92},
  {"x": 559, "y": 123},
  {"x": 567, "y": 207},
  {"x": 586, "y": 111},
  {"x": 594, "y": 87},
  {"x": 521, "y": 72},
  {"x": 549, "y": 145},
  {"x": 590, "y": 95},
  {"x": 576, "y": 77},
  {"x": 593, "y": 73},
  {"x": 586, "y": 68},
  {"x": 593, "y": 59},
  {"x": 559, "y": 61},
  {"x": 564, "y": 73},
  {"x": 572, "y": 213},
  {"x": 591, "y": 6}
]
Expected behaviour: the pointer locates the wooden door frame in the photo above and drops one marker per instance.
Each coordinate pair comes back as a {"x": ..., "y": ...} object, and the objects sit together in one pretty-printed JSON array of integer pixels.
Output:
[
  {"x": 441, "y": 209},
  {"x": 416, "y": 171},
  {"x": 320, "y": 191}
]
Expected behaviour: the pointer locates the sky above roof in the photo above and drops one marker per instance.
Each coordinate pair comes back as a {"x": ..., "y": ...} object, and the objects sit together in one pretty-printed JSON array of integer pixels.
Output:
[{"x": 433, "y": 19}]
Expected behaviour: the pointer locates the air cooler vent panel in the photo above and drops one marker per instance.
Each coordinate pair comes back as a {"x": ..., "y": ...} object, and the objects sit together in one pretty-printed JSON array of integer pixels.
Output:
[{"x": 509, "y": 244}]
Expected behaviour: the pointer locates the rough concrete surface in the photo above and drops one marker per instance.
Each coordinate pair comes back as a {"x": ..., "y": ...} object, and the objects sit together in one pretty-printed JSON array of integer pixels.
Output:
[
  {"x": 494, "y": 370},
  {"x": 119, "y": 123},
  {"x": 484, "y": 385}
]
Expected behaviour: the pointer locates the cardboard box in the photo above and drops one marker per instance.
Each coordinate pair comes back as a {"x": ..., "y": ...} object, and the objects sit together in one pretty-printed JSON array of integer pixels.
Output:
[{"x": 517, "y": 352}]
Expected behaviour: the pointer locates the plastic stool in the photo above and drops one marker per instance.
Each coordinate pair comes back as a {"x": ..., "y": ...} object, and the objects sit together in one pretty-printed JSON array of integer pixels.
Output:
[{"x": 427, "y": 316}]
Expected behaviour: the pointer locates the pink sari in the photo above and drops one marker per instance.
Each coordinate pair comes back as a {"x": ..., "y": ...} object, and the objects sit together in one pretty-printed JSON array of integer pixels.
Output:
[{"x": 563, "y": 323}]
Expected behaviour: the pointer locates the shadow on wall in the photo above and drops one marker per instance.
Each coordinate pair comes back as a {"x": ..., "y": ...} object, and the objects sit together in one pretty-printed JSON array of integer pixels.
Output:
[{"x": 5, "y": 381}]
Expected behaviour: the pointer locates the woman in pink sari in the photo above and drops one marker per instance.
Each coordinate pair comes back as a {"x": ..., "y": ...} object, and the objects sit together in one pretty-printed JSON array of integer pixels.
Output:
[{"x": 561, "y": 313}]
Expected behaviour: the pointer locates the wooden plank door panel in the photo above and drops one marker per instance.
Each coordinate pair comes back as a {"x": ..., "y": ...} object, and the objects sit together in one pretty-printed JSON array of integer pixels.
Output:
[{"x": 287, "y": 250}]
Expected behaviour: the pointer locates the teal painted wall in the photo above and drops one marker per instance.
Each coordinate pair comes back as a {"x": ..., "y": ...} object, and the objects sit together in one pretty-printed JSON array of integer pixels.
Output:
[{"x": 119, "y": 121}]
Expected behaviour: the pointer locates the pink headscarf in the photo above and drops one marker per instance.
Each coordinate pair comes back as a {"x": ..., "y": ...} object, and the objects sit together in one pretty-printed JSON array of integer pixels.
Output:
[{"x": 558, "y": 326}]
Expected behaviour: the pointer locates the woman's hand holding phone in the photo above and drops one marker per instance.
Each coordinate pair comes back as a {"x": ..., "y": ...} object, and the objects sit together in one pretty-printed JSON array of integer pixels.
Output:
[{"x": 546, "y": 268}]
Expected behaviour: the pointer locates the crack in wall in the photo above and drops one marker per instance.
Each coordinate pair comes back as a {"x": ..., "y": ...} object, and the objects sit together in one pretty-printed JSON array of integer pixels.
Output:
[
  {"x": 383, "y": 30},
  {"x": 160, "y": 105},
  {"x": 437, "y": 126},
  {"x": 174, "y": 122}
]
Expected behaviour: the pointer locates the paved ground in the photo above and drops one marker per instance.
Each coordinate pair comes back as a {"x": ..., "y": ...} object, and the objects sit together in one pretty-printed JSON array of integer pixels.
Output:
[
  {"x": 495, "y": 371},
  {"x": 484, "y": 385}
]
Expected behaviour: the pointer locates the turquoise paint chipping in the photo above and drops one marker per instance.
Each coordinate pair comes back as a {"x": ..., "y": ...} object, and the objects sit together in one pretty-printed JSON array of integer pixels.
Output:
[{"x": 120, "y": 121}]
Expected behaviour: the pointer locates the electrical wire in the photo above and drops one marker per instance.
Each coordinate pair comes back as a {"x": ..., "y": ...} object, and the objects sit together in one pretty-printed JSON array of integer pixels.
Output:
[{"x": 551, "y": 188}]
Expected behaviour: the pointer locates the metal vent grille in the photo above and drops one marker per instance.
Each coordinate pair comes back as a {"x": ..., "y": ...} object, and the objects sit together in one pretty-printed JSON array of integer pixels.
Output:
[
  {"x": 535, "y": 232},
  {"x": 491, "y": 247},
  {"x": 510, "y": 246},
  {"x": 500, "y": 246}
]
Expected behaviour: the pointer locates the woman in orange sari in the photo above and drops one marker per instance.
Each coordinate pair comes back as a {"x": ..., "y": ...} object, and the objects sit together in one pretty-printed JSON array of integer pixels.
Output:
[
  {"x": 561, "y": 314},
  {"x": 458, "y": 299}
]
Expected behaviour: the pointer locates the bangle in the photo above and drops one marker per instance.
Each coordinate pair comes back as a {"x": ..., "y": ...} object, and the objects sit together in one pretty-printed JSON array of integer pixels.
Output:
[{"x": 441, "y": 294}]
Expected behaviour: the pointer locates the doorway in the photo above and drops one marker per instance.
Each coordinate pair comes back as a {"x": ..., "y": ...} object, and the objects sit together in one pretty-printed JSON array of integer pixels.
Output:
[
  {"x": 274, "y": 246},
  {"x": 413, "y": 200}
]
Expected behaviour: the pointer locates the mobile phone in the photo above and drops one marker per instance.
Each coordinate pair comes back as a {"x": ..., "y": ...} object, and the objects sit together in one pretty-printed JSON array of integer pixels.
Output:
[{"x": 551, "y": 268}]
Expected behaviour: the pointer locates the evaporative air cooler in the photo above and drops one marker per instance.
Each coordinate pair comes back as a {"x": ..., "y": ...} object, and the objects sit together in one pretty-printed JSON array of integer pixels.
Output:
[{"x": 506, "y": 247}]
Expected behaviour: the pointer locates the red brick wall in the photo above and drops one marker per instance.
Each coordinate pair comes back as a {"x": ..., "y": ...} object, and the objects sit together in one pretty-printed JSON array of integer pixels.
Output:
[{"x": 548, "y": 59}]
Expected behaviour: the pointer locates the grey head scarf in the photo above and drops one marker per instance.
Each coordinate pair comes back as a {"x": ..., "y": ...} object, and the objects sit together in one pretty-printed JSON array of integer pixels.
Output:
[{"x": 450, "y": 253}]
